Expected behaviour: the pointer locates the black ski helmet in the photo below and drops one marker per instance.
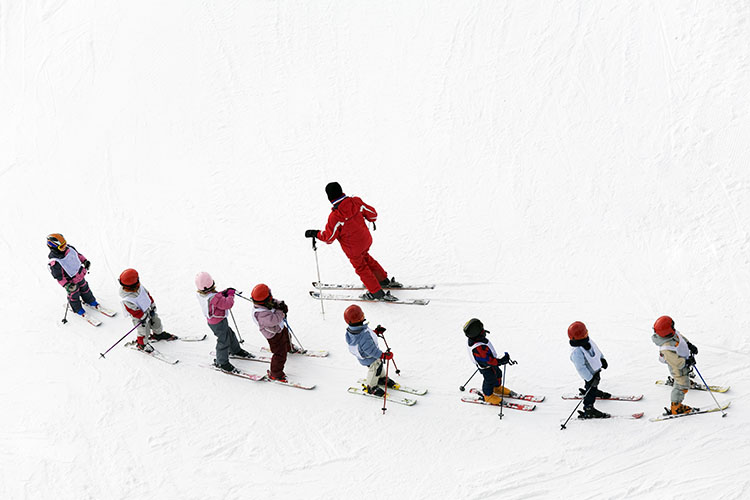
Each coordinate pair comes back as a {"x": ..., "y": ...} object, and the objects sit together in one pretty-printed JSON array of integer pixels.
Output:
[{"x": 474, "y": 329}]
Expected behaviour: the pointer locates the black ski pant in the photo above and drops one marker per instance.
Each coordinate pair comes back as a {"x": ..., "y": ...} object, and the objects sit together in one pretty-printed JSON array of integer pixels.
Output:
[
  {"x": 82, "y": 292},
  {"x": 593, "y": 392}
]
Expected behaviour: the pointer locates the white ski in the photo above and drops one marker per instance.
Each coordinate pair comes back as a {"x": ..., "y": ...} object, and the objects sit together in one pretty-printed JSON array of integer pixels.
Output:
[
  {"x": 158, "y": 355},
  {"x": 390, "y": 396},
  {"x": 303, "y": 352}
]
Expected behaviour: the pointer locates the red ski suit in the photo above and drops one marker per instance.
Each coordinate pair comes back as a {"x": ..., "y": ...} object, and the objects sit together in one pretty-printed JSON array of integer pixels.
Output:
[{"x": 347, "y": 224}]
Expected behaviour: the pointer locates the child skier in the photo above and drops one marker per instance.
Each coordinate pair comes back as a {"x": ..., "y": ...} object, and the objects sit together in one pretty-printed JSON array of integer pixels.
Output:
[
  {"x": 678, "y": 353},
  {"x": 215, "y": 307},
  {"x": 363, "y": 344},
  {"x": 484, "y": 356},
  {"x": 69, "y": 268},
  {"x": 346, "y": 223},
  {"x": 142, "y": 310},
  {"x": 589, "y": 362},
  {"x": 270, "y": 315}
]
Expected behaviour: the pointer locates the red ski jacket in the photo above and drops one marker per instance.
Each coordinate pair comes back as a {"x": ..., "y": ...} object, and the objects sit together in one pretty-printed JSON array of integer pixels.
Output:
[{"x": 347, "y": 224}]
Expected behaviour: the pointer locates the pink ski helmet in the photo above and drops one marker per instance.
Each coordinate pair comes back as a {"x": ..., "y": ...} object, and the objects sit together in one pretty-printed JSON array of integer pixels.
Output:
[{"x": 204, "y": 282}]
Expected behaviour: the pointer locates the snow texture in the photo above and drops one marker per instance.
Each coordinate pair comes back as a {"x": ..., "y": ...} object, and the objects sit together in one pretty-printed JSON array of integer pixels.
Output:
[{"x": 541, "y": 162}]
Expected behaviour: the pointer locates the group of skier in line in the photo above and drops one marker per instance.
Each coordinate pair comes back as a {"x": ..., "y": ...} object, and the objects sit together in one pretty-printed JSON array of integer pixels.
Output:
[{"x": 347, "y": 224}]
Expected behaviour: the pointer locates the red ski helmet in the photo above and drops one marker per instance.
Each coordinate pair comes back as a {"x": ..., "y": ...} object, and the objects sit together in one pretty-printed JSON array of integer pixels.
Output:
[
  {"x": 354, "y": 314},
  {"x": 664, "y": 326},
  {"x": 129, "y": 278},
  {"x": 56, "y": 241},
  {"x": 260, "y": 293},
  {"x": 577, "y": 331}
]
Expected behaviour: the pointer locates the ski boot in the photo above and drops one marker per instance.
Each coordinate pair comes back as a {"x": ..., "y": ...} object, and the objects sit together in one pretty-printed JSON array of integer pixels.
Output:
[
  {"x": 591, "y": 412},
  {"x": 679, "y": 408},
  {"x": 379, "y": 295},
  {"x": 243, "y": 354},
  {"x": 162, "y": 336},
  {"x": 493, "y": 399},
  {"x": 142, "y": 345},
  {"x": 227, "y": 367},
  {"x": 375, "y": 391},
  {"x": 390, "y": 283},
  {"x": 296, "y": 350},
  {"x": 281, "y": 378},
  {"x": 391, "y": 383},
  {"x": 502, "y": 391}
]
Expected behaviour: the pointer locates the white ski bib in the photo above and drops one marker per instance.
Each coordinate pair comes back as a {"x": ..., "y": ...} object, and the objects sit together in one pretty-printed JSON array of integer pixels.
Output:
[
  {"x": 204, "y": 301},
  {"x": 70, "y": 263},
  {"x": 472, "y": 346},
  {"x": 143, "y": 301},
  {"x": 681, "y": 348}
]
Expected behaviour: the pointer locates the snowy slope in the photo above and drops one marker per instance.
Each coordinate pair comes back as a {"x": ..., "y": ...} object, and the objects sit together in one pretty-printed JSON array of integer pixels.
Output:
[{"x": 540, "y": 162}]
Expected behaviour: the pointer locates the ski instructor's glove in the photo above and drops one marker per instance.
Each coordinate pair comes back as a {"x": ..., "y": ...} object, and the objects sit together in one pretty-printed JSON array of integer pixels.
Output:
[{"x": 311, "y": 233}]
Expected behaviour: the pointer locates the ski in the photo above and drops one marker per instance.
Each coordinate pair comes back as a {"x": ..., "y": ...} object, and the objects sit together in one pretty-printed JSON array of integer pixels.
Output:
[
  {"x": 259, "y": 359},
  {"x": 239, "y": 373},
  {"x": 356, "y": 298},
  {"x": 157, "y": 355},
  {"x": 347, "y": 286},
  {"x": 105, "y": 311},
  {"x": 303, "y": 352},
  {"x": 514, "y": 395},
  {"x": 402, "y": 388},
  {"x": 695, "y": 385},
  {"x": 389, "y": 396},
  {"x": 187, "y": 338},
  {"x": 291, "y": 383},
  {"x": 613, "y": 398},
  {"x": 631, "y": 416},
  {"x": 696, "y": 411},
  {"x": 194, "y": 338},
  {"x": 506, "y": 404},
  {"x": 91, "y": 321}
]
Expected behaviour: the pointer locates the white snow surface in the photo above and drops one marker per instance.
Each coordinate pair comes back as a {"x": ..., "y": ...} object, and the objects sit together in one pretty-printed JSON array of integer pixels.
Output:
[{"x": 540, "y": 162}]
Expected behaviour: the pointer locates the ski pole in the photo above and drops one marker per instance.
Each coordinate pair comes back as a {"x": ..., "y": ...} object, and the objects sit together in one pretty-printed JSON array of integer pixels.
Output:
[
  {"x": 502, "y": 393},
  {"x": 317, "y": 267},
  {"x": 293, "y": 335},
  {"x": 462, "y": 388},
  {"x": 65, "y": 317},
  {"x": 242, "y": 296},
  {"x": 385, "y": 393},
  {"x": 235, "y": 326},
  {"x": 131, "y": 331},
  {"x": 723, "y": 413},
  {"x": 562, "y": 427},
  {"x": 388, "y": 348}
]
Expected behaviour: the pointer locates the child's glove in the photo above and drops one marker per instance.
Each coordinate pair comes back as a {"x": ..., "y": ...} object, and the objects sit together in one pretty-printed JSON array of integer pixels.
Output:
[
  {"x": 71, "y": 287},
  {"x": 379, "y": 330},
  {"x": 604, "y": 364},
  {"x": 692, "y": 348},
  {"x": 386, "y": 355}
]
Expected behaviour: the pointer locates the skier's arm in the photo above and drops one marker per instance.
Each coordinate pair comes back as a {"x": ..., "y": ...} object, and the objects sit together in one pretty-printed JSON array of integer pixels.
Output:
[
  {"x": 368, "y": 347},
  {"x": 484, "y": 357},
  {"x": 331, "y": 232},
  {"x": 57, "y": 272},
  {"x": 582, "y": 367},
  {"x": 132, "y": 309},
  {"x": 368, "y": 212}
]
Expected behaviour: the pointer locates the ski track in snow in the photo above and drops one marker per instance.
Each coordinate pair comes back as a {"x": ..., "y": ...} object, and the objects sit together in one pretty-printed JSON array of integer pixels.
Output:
[{"x": 539, "y": 164}]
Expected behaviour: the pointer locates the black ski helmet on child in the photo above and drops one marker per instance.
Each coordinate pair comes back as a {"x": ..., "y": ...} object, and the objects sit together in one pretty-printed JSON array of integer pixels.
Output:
[{"x": 474, "y": 329}]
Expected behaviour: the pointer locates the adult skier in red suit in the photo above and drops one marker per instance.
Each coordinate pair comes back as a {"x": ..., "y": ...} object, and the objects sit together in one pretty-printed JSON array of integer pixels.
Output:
[{"x": 346, "y": 223}]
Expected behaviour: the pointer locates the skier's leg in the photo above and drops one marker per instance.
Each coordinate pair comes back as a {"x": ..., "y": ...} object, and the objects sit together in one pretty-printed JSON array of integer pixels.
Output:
[
  {"x": 377, "y": 270},
  {"x": 155, "y": 323},
  {"x": 364, "y": 272},
  {"x": 279, "y": 347},
  {"x": 222, "y": 332},
  {"x": 373, "y": 373},
  {"x": 680, "y": 388},
  {"x": 74, "y": 299},
  {"x": 86, "y": 294}
]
